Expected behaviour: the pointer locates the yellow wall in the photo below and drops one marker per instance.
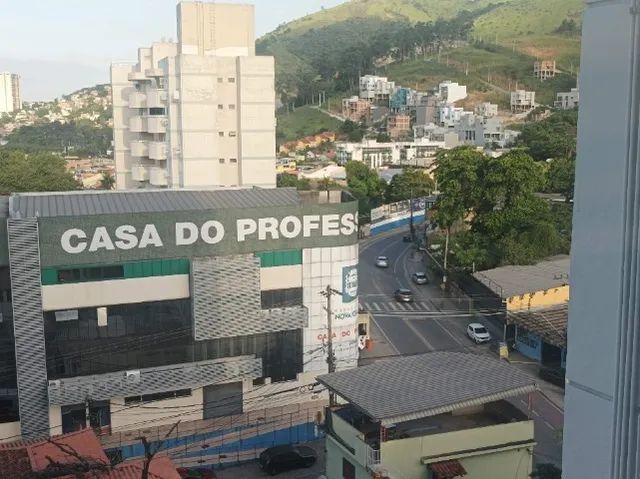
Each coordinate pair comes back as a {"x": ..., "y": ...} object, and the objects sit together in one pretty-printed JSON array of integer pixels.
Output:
[
  {"x": 404, "y": 456},
  {"x": 538, "y": 299}
]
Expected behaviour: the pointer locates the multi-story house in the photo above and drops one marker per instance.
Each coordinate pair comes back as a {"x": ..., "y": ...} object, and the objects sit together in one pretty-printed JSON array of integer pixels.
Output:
[
  {"x": 356, "y": 109},
  {"x": 440, "y": 415},
  {"x": 522, "y": 101},
  {"x": 199, "y": 112},
  {"x": 567, "y": 100},
  {"x": 376, "y": 89},
  {"x": 544, "y": 69}
]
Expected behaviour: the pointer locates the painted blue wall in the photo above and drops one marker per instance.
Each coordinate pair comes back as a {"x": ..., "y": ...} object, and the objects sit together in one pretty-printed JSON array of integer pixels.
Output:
[
  {"x": 528, "y": 344},
  {"x": 381, "y": 228}
]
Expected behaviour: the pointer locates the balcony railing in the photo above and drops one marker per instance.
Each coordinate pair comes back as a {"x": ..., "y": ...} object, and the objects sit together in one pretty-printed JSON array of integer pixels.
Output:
[
  {"x": 158, "y": 150},
  {"x": 139, "y": 149},
  {"x": 157, "y": 124},
  {"x": 158, "y": 176}
]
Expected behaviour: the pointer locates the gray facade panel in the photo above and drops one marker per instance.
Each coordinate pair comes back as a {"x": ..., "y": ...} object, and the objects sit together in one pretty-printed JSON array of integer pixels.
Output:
[
  {"x": 28, "y": 326},
  {"x": 225, "y": 293},
  {"x": 153, "y": 380}
]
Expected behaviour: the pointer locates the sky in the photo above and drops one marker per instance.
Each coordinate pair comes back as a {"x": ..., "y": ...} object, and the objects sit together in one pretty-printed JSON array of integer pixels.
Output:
[{"x": 58, "y": 46}]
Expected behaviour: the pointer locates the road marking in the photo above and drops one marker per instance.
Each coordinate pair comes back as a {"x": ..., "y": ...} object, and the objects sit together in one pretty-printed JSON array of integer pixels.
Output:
[
  {"x": 376, "y": 306},
  {"x": 549, "y": 425},
  {"x": 420, "y": 336},
  {"x": 385, "y": 335},
  {"x": 394, "y": 306},
  {"x": 465, "y": 346},
  {"x": 535, "y": 413}
]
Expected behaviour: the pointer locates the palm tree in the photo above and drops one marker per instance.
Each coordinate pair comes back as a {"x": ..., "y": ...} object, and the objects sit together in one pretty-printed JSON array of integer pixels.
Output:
[{"x": 107, "y": 182}]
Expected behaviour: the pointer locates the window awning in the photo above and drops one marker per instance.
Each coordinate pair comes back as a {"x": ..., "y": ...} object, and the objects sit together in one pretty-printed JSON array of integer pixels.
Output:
[{"x": 447, "y": 469}]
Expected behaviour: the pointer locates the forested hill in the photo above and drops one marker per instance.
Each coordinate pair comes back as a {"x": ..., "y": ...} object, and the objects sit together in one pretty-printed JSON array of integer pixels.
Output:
[{"x": 328, "y": 50}]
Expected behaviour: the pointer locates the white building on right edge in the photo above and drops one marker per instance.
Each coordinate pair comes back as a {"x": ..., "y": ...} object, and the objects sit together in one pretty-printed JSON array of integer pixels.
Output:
[
  {"x": 10, "y": 98},
  {"x": 199, "y": 112}
]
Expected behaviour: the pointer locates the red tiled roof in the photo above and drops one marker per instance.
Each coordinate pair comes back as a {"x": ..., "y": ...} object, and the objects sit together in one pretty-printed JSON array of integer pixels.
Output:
[
  {"x": 161, "y": 468},
  {"x": 447, "y": 469},
  {"x": 14, "y": 462},
  {"x": 84, "y": 443}
]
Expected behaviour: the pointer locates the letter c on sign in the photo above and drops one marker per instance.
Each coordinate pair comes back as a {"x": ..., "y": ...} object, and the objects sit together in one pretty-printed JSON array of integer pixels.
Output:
[{"x": 80, "y": 246}]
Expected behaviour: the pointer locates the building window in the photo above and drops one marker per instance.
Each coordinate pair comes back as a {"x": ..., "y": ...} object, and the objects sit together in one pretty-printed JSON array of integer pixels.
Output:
[
  {"x": 181, "y": 393},
  {"x": 232, "y": 80},
  {"x": 233, "y": 160},
  {"x": 348, "y": 470},
  {"x": 220, "y": 79},
  {"x": 101, "y": 273},
  {"x": 221, "y": 133},
  {"x": 232, "y": 107},
  {"x": 232, "y": 134},
  {"x": 220, "y": 107},
  {"x": 281, "y": 298},
  {"x": 221, "y": 160},
  {"x": 157, "y": 112}
]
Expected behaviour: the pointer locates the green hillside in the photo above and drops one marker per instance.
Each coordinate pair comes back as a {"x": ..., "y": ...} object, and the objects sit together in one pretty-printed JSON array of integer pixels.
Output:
[
  {"x": 328, "y": 50},
  {"x": 302, "y": 122}
]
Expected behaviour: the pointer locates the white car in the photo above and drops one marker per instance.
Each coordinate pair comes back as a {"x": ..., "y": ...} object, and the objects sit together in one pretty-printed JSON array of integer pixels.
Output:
[
  {"x": 478, "y": 333},
  {"x": 382, "y": 262}
]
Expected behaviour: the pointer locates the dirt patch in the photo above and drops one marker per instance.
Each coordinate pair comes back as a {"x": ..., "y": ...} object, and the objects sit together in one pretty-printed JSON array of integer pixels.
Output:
[{"x": 542, "y": 53}]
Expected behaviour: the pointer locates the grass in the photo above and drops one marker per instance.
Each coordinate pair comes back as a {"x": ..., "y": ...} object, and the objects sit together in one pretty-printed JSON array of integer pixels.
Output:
[{"x": 302, "y": 122}]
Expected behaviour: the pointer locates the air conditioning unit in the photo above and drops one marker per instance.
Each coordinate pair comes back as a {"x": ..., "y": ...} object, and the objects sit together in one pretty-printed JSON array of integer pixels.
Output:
[
  {"x": 55, "y": 384},
  {"x": 132, "y": 376}
]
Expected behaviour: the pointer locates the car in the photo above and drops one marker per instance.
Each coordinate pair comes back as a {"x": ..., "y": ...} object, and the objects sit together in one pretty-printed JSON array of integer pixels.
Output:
[
  {"x": 407, "y": 238},
  {"x": 382, "y": 262},
  {"x": 478, "y": 333},
  {"x": 285, "y": 458},
  {"x": 420, "y": 278},
  {"x": 403, "y": 295}
]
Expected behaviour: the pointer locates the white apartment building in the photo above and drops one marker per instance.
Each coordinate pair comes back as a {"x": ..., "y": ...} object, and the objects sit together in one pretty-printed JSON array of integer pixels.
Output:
[
  {"x": 199, "y": 112},
  {"x": 375, "y": 88},
  {"x": 449, "y": 115},
  {"x": 420, "y": 152},
  {"x": 567, "y": 100},
  {"x": 10, "y": 98},
  {"x": 522, "y": 101},
  {"x": 486, "y": 109},
  {"x": 476, "y": 130},
  {"x": 451, "y": 92}
]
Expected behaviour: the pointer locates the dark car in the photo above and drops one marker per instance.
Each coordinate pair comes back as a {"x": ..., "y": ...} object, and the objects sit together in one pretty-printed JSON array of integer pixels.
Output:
[
  {"x": 285, "y": 458},
  {"x": 407, "y": 238},
  {"x": 403, "y": 295}
]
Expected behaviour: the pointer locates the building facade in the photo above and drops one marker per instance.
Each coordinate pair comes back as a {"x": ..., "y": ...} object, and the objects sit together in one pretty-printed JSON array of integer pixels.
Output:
[
  {"x": 602, "y": 432},
  {"x": 398, "y": 126},
  {"x": 123, "y": 308},
  {"x": 567, "y": 100},
  {"x": 451, "y": 92},
  {"x": 545, "y": 69},
  {"x": 375, "y": 88},
  {"x": 356, "y": 109},
  {"x": 199, "y": 112},
  {"x": 420, "y": 152},
  {"x": 486, "y": 109},
  {"x": 10, "y": 97},
  {"x": 522, "y": 101}
]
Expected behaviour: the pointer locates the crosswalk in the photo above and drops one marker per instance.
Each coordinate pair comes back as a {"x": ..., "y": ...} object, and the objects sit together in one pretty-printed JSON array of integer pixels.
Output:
[{"x": 396, "y": 307}]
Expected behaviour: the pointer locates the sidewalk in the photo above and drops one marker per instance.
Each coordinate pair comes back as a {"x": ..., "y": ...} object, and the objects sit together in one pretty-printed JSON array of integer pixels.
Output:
[{"x": 553, "y": 393}]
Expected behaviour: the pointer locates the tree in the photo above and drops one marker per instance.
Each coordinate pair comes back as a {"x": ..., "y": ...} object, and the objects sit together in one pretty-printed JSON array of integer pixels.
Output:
[
  {"x": 285, "y": 180},
  {"x": 411, "y": 183},
  {"x": 353, "y": 131},
  {"x": 107, "y": 182},
  {"x": 553, "y": 137},
  {"x": 366, "y": 186},
  {"x": 547, "y": 471},
  {"x": 561, "y": 177},
  {"x": 383, "y": 138},
  {"x": 22, "y": 172}
]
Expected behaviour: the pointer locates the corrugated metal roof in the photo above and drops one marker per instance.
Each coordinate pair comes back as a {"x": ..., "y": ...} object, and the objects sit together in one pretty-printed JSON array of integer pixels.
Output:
[
  {"x": 508, "y": 281},
  {"x": 29, "y": 205},
  {"x": 448, "y": 469},
  {"x": 413, "y": 387},
  {"x": 549, "y": 323}
]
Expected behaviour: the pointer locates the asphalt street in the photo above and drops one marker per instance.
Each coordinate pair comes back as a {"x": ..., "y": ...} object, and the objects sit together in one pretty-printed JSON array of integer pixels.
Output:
[{"x": 434, "y": 322}]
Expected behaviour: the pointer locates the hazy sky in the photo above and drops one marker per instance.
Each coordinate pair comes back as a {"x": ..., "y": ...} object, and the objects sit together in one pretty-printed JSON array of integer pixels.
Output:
[{"x": 58, "y": 46}]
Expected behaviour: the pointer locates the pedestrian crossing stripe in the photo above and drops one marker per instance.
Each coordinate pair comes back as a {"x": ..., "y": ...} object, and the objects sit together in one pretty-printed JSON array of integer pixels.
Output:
[{"x": 378, "y": 306}]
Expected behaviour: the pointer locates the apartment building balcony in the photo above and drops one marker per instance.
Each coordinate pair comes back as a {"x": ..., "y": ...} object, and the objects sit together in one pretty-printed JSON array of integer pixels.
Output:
[
  {"x": 158, "y": 176},
  {"x": 137, "y": 124},
  {"x": 158, "y": 150},
  {"x": 140, "y": 173},
  {"x": 154, "y": 72},
  {"x": 156, "y": 99},
  {"x": 139, "y": 149},
  {"x": 137, "y": 100},
  {"x": 138, "y": 76},
  {"x": 157, "y": 124}
]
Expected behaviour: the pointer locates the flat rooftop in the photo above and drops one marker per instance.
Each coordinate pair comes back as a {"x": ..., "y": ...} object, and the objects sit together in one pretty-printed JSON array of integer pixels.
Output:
[
  {"x": 509, "y": 281},
  {"x": 415, "y": 387},
  {"x": 89, "y": 203}
]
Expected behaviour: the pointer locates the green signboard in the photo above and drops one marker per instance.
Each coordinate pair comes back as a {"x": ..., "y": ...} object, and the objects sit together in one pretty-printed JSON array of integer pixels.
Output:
[{"x": 68, "y": 241}]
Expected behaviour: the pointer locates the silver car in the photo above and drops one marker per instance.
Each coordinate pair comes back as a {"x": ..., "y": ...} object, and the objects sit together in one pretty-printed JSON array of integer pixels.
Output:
[
  {"x": 420, "y": 278},
  {"x": 382, "y": 262}
]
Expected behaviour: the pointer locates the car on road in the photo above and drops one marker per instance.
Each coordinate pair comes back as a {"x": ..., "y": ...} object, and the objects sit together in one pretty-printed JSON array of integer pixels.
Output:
[
  {"x": 285, "y": 458},
  {"x": 407, "y": 238},
  {"x": 478, "y": 333},
  {"x": 382, "y": 262},
  {"x": 403, "y": 295},
  {"x": 420, "y": 278}
]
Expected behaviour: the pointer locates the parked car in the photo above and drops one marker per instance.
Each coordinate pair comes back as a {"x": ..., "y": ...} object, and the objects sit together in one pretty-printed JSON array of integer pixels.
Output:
[
  {"x": 420, "y": 278},
  {"x": 382, "y": 262},
  {"x": 478, "y": 333},
  {"x": 285, "y": 458},
  {"x": 403, "y": 295}
]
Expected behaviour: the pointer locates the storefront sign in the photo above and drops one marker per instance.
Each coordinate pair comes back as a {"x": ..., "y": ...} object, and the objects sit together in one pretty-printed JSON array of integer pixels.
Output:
[{"x": 349, "y": 284}]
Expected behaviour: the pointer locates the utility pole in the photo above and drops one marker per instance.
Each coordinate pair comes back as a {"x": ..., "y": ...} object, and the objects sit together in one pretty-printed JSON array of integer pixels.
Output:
[{"x": 331, "y": 358}]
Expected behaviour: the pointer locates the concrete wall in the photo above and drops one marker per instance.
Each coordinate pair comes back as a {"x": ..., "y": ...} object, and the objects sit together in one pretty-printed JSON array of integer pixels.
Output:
[
  {"x": 529, "y": 344},
  {"x": 403, "y": 456},
  {"x": 539, "y": 299},
  {"x": 9, "y": 431},
  {"x": 336, "y": 454},
  {"x": 281, "y": 277},
  {"x": 118, "y": 291}
]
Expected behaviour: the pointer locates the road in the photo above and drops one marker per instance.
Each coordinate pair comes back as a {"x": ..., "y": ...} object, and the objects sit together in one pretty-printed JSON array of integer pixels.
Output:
[{"x": 434, "y": 322}]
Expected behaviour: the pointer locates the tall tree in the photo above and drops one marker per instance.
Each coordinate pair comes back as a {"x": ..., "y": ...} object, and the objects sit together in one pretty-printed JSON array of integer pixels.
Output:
[
  {"x": 561, "y": 177},
  {"x": 22, "y": 172},
  {"x": 366, "y": 186},
  {"x": 411, "y": 183}
]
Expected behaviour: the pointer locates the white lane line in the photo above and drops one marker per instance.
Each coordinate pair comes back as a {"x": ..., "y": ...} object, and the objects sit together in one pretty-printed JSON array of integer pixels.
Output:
[
  {"x": 389, "y": 342},
  {"x": 425, "y": 306},
  {"x": 393, "y": 306},
  {"x": 535, "y": 413},
  {"x": 549, "y": 425},
  {"x": 420, "y": 336},
  {"x": 455, "y": 338},
  {"x": 376, "y": 306}
]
